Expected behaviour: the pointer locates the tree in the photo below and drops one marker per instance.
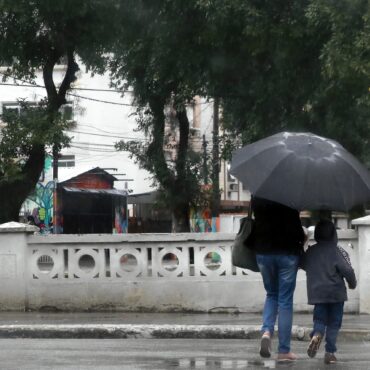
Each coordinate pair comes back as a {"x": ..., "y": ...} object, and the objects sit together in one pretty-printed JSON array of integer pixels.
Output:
[
  {"x": 21, "y": 138},
  {"x": 310, "y": 72},
  {"x": 36, "y": 36},
  {"x": 250, "y": 55},
  {"x": 158, "y": 56},
  {"x": 282, "y": 65},
  {"x": 341, "y": 103}
]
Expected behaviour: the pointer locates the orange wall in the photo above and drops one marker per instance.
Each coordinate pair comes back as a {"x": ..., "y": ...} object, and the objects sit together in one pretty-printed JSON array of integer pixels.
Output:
[{"x": 90, "y": 182}]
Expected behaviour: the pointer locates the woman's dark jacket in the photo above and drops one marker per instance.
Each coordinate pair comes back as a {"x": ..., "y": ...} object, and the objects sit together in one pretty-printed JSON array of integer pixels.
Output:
[
  {"x": 276, "y": 229},
  {"x": 327, "y": 265}
]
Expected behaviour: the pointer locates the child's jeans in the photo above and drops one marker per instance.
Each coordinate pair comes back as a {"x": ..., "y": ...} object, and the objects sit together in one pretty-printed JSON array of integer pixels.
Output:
[{"x": 327, "y": 317}]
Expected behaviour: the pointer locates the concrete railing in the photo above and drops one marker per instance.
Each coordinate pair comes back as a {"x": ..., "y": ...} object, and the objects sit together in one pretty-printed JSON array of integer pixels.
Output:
[{"x": 150, "y": 272}]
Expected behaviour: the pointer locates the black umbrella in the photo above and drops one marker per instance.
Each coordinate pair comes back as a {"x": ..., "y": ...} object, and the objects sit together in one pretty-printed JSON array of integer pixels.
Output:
[{"x": 302, "y": 171}]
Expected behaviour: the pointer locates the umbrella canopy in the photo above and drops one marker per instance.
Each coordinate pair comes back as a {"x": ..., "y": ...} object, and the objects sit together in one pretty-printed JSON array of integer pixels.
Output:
[{"x": 302, "y": 171}]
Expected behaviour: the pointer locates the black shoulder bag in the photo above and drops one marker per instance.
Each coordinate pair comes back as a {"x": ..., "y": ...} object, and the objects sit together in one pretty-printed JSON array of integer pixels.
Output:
[{"x": 242, "y": 256}]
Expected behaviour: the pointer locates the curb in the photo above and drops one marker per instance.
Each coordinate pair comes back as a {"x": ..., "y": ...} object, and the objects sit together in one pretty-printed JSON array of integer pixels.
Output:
[{"x": 129, "y": 331}]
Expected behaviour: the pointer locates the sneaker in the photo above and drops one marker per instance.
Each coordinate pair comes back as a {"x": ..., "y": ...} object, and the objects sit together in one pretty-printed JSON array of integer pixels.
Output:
[
  {"x": 330, "y": 358},
  {"x": 286, "y": 357},
  {"x": 314, "y": 345},
  {"x": 265, "y": 350}
]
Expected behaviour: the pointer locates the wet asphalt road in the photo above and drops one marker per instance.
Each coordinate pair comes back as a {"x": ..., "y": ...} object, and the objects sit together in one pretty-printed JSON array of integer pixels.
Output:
[{"x": 179, "y": 354}]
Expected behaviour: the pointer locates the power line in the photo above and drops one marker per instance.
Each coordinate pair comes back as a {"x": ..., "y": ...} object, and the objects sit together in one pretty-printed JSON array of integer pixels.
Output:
[
  {"x": 87, "y": 158},
  {"x": 70, "y": 94},
  {"x": 93, "y": 144},
  {"x": 101, "y": 101},
  {"x": 191, "y": 141},
  {"x": 99, "y": 150},
  {"x": 107, "y": 132},
  {"x": 72, "y": 88},
  {"x": 28, "y": 84},
  {"x": 118, "y": 134},
  {"x": 114, "y": 136}
]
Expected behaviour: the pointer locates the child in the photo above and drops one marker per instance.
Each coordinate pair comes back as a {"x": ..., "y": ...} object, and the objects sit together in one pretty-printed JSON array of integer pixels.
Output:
[{"x": 327, "y": 265}]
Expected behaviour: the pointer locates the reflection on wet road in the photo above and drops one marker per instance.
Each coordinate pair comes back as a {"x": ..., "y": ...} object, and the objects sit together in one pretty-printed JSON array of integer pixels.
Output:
[
  {"x": 165, "y": 354},
  {"x": 206, "y": 363}
]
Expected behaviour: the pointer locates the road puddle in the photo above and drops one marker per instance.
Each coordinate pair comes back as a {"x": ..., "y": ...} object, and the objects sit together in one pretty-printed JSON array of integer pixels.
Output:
[{"x": 217, "y": 363}]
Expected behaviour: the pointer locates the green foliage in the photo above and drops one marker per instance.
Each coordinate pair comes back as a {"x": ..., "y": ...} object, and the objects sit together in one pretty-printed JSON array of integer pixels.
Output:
[
  {"x": 22, "y": 132},
  {"x": 309, "y": 73},
  {"x": 35, "y": 37},
  {"x": 342, "y": 100},
  {"x": 173, "y": 187},
  {"x": 33, "y": 32},
  {"x": 282, "y": 65},
  {"x": 159, "y": 55}
]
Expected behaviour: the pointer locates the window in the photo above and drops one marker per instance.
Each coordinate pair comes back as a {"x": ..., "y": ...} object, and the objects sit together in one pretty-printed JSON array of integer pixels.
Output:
[
  {"x": 11, "y": 107},
  {"x": 67, "y": 112},
  {"x": 230, "y": 177},
  {"x": 193, "y": 111},
  {"x": 15, "y": 107},
  {"x": 66, "y": 161}
]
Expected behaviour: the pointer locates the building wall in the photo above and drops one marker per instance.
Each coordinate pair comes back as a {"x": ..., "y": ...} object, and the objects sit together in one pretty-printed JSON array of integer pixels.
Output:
[
  {"x": 102, "y": 118},
  {"x": 89, "y": 181}
]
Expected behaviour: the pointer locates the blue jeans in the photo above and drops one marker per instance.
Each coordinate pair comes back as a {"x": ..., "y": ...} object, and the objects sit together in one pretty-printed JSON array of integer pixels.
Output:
[
  {"x": 327, "y": 317},
  {"x": 279, "y": 274}
]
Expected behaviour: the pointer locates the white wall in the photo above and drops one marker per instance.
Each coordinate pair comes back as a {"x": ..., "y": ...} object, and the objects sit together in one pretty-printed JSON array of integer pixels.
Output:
[
  {"x": 207, "y": 282},
  {"x": 99, "y": 126},
  {"x": 230, "y": 223}
]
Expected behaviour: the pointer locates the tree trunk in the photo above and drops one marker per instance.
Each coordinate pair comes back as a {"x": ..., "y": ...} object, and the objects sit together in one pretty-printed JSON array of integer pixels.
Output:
[
  {"x": 156, "y": 151},
  {"x": 12, "y": 197},
  {"x": 180, "y": 219},
  {"x": 13, "y": 194},
  {"x": 173, "y": 182},
  {"x": 180, "y": 189},
  {"x": 215, "y": 204},
  {"x": 11, "y": 201}
]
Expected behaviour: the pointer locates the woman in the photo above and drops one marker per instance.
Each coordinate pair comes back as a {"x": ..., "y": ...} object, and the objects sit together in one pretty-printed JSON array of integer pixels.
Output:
[{"x": 277, "y": 238}]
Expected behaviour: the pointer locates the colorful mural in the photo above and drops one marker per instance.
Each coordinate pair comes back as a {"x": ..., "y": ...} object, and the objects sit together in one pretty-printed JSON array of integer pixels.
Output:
[
  {"x": 41, "y": 214},
  {"x": 38, "y": 207},
  {"x": 120, "y": 216},
  {"x": 201, "y": 221}
]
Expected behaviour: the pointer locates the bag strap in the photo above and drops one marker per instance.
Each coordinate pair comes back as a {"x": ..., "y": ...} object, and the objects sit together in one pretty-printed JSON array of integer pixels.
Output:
[{"x": 250, "y": 209}]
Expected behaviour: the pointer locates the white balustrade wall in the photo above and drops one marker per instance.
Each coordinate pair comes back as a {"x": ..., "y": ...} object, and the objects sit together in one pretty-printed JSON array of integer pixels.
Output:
[{"x": 138, "y": 272}]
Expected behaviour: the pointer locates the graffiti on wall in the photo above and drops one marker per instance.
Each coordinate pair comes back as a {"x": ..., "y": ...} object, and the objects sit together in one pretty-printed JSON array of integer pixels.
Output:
[
  {"x": 41, "y": 204},
  {"x": 38, "y": 207},
  {"x": 120, "y": 216},
  {"x": 201, "y": 221}
]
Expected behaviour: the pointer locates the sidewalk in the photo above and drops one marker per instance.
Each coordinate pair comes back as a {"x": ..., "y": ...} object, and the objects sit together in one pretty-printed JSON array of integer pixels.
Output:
[{"x": 159, "y": 325}]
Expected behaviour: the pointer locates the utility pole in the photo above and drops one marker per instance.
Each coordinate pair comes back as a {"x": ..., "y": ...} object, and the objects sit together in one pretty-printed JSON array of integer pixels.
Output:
[
  {"x": 215, "y": 206},
  {"x": 205, "y": 166},
  {"x": 55, "y": 162},
  {"x": 55, "y": 193}
]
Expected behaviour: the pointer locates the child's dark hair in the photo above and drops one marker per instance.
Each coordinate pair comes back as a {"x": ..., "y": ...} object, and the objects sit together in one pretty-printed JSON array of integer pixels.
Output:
[{"x": 325, "y": 231}]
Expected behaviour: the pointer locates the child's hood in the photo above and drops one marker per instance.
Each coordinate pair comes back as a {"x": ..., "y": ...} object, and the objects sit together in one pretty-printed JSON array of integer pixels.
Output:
[{"x": 325, "y": 232}]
